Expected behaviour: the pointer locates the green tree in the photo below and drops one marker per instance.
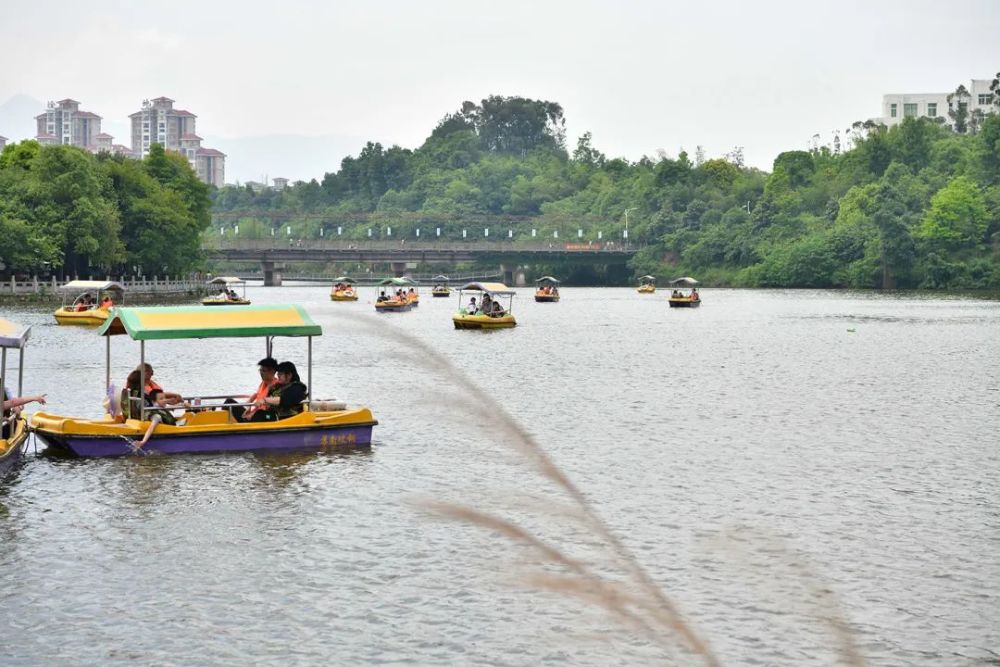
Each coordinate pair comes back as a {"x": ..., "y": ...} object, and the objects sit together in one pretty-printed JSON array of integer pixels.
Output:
[{"x": 957, "y": 216}]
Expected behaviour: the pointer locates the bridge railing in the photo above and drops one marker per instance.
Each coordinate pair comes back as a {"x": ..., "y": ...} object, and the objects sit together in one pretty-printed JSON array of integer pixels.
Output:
[{"x": 479, "y": 245}]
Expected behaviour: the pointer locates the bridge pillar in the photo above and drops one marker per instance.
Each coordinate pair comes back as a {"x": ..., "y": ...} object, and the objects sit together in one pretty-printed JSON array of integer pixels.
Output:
[
  {"x": 513, "y": 275},
  {"x": 272, "y": 273},
  {"x": 399, "y": 269}
]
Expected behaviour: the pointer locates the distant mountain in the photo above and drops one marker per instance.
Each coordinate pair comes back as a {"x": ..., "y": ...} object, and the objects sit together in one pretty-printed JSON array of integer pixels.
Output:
[
  {"x": 291, "y": 156},
  {"x": 17, "y": 117}
]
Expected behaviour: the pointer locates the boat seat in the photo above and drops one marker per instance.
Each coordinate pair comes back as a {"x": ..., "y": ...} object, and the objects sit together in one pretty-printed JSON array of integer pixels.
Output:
[
  {"x": 328, "y": 405},
  {"x": 207, "y": 417}
]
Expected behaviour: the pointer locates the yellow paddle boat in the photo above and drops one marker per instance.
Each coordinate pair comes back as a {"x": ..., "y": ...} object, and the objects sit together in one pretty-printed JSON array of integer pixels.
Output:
[
  {"x": 547, "y": 290},
  {"x": 679, "y": 298},
  {"x": 394, "y": 295},
  {"x": 486, "y": 312},
  {"x": 225, "y": 294},
  {"x": 13, "y": 429},
  {"x": 94, "y": 298},
  {"x": 343, "y": 289},
  {"x": 211, "y": 427},
  {"x": 647, "y": 285},
  {"x": 441, "y": 288}
]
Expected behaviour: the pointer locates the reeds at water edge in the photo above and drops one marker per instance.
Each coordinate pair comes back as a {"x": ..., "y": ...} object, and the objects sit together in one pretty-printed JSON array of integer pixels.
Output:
[{"x": 626, "y": 591}]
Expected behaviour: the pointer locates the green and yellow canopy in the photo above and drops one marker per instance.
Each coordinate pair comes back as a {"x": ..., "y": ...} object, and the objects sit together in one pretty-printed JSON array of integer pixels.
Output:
[{"x": 197, "y": 322}]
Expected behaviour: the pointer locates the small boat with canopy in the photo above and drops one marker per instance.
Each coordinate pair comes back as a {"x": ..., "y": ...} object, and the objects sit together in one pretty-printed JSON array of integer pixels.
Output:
[
  {"x": 225, "y": 294},
  {"x": 14, "y": 431},
  {"x": 396, "y": 295},
  {"x": 647, "y": 285},
  {"x": 313, "y": 424},
  {"x": 93, "y": 300},
  {"x": 486, "y": 312},
  {"x": 684, "y": 293},
  {"x": 547, "y": 289},
  {"x": 441, "y": 288},
  {"x": 343, "y": 289}
]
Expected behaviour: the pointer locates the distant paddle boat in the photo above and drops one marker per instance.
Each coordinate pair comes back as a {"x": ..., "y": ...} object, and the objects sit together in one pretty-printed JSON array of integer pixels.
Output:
[
  {"x": 94, "y": 298},
  {"x": 491, "y": 316},
  {"x": 647, "y": 285},
  {"x": 14, "y": 431},
  {"x": 547, "y": 289},
  {"x": 679, "y": 298},
  {"x": 319, "y": 424},
  {"x": 343, "y": 289},
  {"x": 388, "y": 301},
  {"x": 226, "y": 295},
  {"x": 441, "y": 287}
]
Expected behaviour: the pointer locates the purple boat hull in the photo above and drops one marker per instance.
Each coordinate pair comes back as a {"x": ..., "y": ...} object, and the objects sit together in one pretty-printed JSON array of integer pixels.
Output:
[{"x": 313, "y": 439}]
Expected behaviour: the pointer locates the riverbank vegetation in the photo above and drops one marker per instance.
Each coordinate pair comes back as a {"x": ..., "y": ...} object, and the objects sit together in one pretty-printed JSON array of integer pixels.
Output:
[
  {"x": 68, "y": 212},
  {"x": 912, "y": 206}
]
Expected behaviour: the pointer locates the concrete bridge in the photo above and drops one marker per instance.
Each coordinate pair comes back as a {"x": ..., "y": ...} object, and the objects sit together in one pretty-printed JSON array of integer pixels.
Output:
[{"x": 510, "y": 256}]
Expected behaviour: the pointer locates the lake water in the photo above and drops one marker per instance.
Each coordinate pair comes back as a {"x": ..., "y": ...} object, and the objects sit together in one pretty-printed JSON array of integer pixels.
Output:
[{"x": 753, "y": 454}]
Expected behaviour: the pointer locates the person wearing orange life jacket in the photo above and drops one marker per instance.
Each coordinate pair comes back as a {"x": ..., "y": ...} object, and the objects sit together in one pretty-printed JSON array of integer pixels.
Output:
[
  {"x": 267, "y": 368},
  {"x": 107, "y": 303}
]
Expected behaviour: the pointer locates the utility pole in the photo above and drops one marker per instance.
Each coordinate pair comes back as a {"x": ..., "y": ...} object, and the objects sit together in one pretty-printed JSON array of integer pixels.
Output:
[{"x": 626, "y": 223}]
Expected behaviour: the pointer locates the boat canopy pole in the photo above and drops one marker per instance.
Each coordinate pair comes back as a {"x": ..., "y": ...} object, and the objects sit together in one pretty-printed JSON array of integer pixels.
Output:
[
  {"x": 107, "y": 363},
  {"x": 3, "y": 376},
  {"x": 309, "y": 366},
  {"x": 20, "y": 371},
  {"x": 142, "y": 380}
]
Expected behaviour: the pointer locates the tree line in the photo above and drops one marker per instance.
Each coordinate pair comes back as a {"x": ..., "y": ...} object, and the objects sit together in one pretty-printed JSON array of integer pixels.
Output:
[
  {"x": 912, "y": 206},
  {"x": 70, "y": 212}
]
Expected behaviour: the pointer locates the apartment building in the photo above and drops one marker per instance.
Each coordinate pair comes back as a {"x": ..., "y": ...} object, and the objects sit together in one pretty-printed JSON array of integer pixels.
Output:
[
  {"x": 896, "y": 107},
  {"x": 158, "y": 122},
  {"x": 64, "y": 123}
]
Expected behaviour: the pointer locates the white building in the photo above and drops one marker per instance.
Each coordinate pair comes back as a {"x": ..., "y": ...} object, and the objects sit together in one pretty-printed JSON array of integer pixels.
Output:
[
  {"x": 158, "y": 122},
  {"x": 896, "y": 107},
  {"x": 3, "y": 142},
  {"x": 65, "y": 123}
]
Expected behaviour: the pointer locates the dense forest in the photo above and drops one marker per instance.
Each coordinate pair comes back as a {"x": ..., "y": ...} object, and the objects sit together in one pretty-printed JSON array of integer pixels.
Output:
[
  {"x": 912, "y": 206},
  {"x": 66, "y": 211}
]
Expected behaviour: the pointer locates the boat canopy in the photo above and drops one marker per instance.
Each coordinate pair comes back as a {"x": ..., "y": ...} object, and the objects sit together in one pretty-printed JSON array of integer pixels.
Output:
[
  {"x": 85, "y": 285},
  {"x": 398, "y": 282},
  {"x": 489, "y": 288},
  {"x": 344, "y": 279},
  {"x": 226, "y": 280},
  {"x": 13, "y": 334},
  {"x": 685, "y": 281},
  {"x": 648, "y": 279},
  {"x": 441, "y": 278},
  {"x": 160, "y": 323},
  {"x": 547, "y": 279}
]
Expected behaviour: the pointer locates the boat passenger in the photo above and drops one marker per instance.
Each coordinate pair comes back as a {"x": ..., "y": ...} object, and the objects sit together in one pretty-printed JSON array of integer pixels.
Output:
[
  {"x": 12, "y": 406},
  {"x": 472, "y": 307},
  {"x": 284, "y": 399},
  {"x": 151, "y": 384},
  {"x": 382, "y": 297},
  {"x": 158, "y": 413},
  {"x": 496, "y": 310},
  {"x": 267, "y": 368},
  {"x": 694, "y": 294},
  {"x": 107, "y": 303},
  {"x": 487, "y": 304}
]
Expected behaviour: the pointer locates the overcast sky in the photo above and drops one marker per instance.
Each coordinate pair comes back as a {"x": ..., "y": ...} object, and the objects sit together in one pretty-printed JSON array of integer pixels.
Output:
[{"x": 641, "y": 76}]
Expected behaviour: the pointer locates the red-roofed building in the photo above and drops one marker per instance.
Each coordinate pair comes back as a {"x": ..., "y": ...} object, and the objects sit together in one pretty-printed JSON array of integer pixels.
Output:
[
  {"x": 64, "y": 123},
  {"x": 158, "y": 122}
]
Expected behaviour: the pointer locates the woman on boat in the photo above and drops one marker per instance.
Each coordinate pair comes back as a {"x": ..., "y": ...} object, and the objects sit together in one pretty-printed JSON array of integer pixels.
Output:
[
  {"x": 107, "y": 303},
  {"x": 284, "y": 399},
  {"x": 151, "y": 384}
]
